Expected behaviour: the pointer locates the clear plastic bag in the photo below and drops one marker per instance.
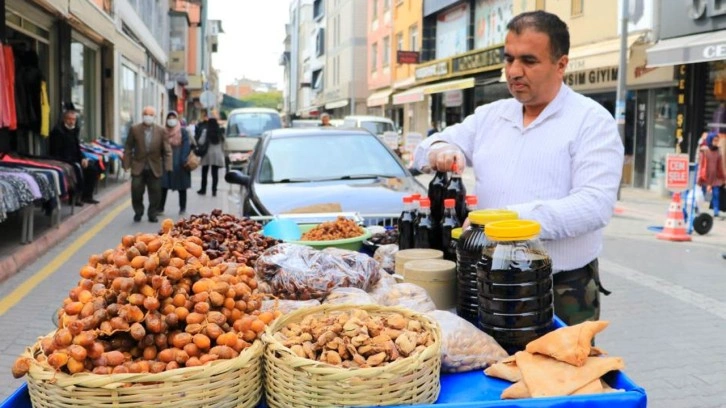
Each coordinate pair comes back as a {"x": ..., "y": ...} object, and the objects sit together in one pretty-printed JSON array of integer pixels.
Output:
[
  {"x": 299, "y": 272},
  {"x": 386, "y": 256},
  {"x": 406, "y": 295},
  {"x": 353, "y": 296},
  {"x": 287, "y": 306},
  {"x": 464, "y": 347}
]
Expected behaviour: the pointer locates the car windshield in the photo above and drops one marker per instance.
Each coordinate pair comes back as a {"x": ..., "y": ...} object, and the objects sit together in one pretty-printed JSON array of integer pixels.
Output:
[
  {"x": 377, "y": 128},
  {"x": 298, "y": 159},
  {"x": 252, "y": 123}
]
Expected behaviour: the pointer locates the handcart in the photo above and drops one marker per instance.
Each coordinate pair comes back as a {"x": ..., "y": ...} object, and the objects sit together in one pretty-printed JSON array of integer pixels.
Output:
[{"x": 701, "y": 222}]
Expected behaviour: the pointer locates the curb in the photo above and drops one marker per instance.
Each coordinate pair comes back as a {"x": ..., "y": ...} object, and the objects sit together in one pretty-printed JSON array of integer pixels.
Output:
[{"x": 26, "y": 254}]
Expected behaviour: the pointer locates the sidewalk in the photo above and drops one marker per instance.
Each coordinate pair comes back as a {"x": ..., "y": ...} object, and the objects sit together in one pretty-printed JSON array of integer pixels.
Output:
[{"x": 14, "y": 255}]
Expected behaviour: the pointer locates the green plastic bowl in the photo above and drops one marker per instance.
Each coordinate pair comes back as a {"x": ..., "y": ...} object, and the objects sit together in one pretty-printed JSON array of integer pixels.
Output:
[{"x": 353, "y": 244}]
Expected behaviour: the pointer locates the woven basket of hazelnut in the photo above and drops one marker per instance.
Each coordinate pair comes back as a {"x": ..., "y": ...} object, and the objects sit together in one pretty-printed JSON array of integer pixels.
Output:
[
  {"x": 153, "y": 322},
  {"x": 352, "y": 355}
]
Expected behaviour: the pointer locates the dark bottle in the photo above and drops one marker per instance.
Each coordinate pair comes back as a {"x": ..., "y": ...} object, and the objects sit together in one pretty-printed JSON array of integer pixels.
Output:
[
  {"x": 415, "y": 204},
  {"x": 423, "y": 231},
  {"x": 405, "y": 224},
  {"x": 455, "y": 189},
  {"x": 437, "y": 193},
  {"x": 472, "y": 203},
  {"x": 449, "y": 221}
]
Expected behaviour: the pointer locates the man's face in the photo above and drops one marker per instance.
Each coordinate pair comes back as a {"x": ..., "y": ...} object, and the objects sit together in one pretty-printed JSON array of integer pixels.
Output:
[
  {"x": 70, "y": 120},
  {"x": 532, "y": 77},
  {"x": 326, "y": 120}
]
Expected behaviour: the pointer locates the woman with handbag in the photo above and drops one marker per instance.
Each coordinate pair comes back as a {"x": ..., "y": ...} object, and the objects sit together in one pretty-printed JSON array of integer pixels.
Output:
[
  {"x": 211, "y": 141},
  {"x": 711, "y": 171},
  {"x": 180, "y": 178}
]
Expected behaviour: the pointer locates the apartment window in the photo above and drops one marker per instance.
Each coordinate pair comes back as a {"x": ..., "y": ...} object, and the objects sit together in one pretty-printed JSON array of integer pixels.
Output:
[
  {"x": 318, "y": 80},
  {"x": 318, "y": 9},
  {"x": 539, "y": 5},
  {"x": 577, "y": 6},
  {"x": 320, "y": 42},
  {"x": 374, "y": 57},
  {"x": 374, "y": 13},
  {"x": 399, "y": 42},
  {"x": 386, "y": 50},
  {"x": 413, "y": 38},
  {"x": 386, "y": 5}
]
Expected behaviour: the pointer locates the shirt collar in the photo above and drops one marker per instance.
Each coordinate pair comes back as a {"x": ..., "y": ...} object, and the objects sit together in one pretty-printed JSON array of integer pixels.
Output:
[{"x": 515, "y": 112}]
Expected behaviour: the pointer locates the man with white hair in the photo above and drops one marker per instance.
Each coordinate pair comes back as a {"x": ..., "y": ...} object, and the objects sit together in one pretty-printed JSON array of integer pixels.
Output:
[{"x": 148, "y": 154}]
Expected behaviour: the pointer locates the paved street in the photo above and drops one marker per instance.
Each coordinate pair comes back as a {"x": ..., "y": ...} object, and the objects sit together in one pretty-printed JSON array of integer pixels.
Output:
[{"x": 667, "y": 310}]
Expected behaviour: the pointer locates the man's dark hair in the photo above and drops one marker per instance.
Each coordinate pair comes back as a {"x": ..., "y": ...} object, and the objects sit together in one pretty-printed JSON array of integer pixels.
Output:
[{"x": 546, "y": 23}]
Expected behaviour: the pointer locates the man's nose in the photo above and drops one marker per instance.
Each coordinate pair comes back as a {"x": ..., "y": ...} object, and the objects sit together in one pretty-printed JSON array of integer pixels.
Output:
[{"x": 513, "y": 69}]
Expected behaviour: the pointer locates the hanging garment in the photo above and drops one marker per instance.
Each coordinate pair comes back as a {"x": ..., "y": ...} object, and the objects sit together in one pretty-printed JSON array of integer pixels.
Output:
[
  {"x": 4, "y": 96},
  {"x": 10, "y": 83},
  {"x": 44, "y": 110}
]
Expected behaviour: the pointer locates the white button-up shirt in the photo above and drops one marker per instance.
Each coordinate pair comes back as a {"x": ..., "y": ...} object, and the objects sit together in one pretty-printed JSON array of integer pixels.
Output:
[{"x": 563, "y": 170}]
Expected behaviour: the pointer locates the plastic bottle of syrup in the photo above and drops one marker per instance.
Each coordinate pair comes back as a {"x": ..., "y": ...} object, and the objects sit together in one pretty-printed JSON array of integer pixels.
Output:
[
  {"x": 449, "y": 221},
  {"x": 437, "y": 193},
  {"x": 472, "y": 204},
  {"x": 405, "y": 224},
  {"x": 423, "y": 231},
  {"x": 455, "y": 189}
]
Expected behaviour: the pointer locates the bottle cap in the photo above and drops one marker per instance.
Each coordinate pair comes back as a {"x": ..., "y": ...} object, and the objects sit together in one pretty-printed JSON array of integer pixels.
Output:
[
  {"x": 449, "y": 203},
  {"x": 425, "y": 203},
  {"x": 484, "y": 217},
  {"x": 454, "y": 168},
  {"x": 472, "y": 200},
  {"x": 512, "y": 230},
  {"x": 407, "y": 200},
  {"x": 415, "y": 196},
  {"x": 456, "y": 233}
]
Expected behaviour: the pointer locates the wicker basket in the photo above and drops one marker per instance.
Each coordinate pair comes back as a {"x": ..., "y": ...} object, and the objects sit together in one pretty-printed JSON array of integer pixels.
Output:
[
  {"x": 222, "y": 383},
  {"x": 294, "y": 381}
]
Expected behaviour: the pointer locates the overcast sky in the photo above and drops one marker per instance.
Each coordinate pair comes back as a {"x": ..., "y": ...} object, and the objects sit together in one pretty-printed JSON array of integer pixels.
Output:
[{"x": 252, "y": 41}]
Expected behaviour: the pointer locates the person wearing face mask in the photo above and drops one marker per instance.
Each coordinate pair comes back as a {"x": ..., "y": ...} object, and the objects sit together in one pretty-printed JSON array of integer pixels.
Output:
[
  {"x": 147, "y": 154},
  {"x": 179, "y": 179},
  {"x": 65, "y": 144},
  {"x": 549, "y": 154}
]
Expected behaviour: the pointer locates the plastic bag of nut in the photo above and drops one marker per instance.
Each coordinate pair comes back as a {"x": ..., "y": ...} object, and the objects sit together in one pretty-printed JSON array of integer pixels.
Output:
[
  {"x": 352, "y": 296},
  {"x": 464, "y": 347},
  {"x": 386, "y": 256},
  {"x": 299, "y": 272},
  {"x": 287, "y": 306},
  {"x": 406, "y": 295}
]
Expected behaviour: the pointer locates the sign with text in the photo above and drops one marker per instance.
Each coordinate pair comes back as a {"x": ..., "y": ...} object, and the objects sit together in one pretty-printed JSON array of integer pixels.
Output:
[
  {"x": 407, "y": 57},
  {"x": 676, "y": 172}
]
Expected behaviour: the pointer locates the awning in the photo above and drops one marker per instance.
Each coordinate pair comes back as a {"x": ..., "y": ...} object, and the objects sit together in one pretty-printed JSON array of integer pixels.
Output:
[
  {"x": 94, "y": 18},
  {"x": 449, "y": 86},
  {"x": 337, "y": 104},
  {"x": 412, "y": 95},
  {"x": 597, "y": 55},
  {"x": 688, "y": 50},
  {"x": 379, "y": 98}
]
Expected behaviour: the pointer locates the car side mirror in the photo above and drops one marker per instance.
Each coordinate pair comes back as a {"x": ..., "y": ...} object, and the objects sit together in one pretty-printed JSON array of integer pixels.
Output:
[{"x": 237, "y": 177}]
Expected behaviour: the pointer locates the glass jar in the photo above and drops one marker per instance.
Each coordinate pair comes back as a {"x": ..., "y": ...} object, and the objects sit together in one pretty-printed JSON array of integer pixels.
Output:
[
  {"x": 468, "y": 255},
  {"x": 515, "y": 284}
]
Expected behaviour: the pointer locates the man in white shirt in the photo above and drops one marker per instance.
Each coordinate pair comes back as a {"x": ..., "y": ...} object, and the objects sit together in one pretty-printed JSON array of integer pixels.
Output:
[{"x": 550, "y": 154}]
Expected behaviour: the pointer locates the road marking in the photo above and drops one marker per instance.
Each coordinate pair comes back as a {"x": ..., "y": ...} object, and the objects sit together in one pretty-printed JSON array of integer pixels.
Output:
[
  {"x": 665, "y": 287},
  {"x": 21, "y": 291}
]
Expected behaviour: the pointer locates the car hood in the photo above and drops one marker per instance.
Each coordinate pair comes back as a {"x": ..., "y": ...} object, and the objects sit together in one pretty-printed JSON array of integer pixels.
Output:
[{"x": 369, "y": 196}]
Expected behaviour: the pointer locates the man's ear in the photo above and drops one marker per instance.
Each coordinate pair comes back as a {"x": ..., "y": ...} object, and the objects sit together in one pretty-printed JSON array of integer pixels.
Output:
[{"x": 562, "y": 64}]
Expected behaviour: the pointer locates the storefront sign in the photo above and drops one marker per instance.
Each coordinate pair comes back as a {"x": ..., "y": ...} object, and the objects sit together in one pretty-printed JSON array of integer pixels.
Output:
[
  {"x": 481, "y": 60},
  {"x": 676, "y": 172},
  {"x": 698, "y": 16},
  {"x": 453, "y": 99},
  {"x": 681, "y": 103},
  {"x": 407, "y": 57},
  {"x": 592, "y": 78},
  {"x": 434, "y": 70},
  {"x": 452, "y": 28}
]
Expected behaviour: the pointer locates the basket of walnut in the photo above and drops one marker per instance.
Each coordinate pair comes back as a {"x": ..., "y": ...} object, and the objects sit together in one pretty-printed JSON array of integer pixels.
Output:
[{"x": 344, "y": 355}]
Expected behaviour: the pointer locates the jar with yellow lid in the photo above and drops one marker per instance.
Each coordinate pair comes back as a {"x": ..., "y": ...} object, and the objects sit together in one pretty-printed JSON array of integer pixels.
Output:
[
  {"x": 468, "y": 255},
  {"x": 515, "y": 284},
  {"x": 450, "y": 253}
]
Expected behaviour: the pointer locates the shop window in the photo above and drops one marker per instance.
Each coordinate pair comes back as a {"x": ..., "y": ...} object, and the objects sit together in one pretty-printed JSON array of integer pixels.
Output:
[
  {"x": 127, "y": 102},
  {"x": 374, "y": 57},
  {"x": 83, "y": 88},
  {"x": 386, "y": 51},
  {"x": 577, "y": 7}
]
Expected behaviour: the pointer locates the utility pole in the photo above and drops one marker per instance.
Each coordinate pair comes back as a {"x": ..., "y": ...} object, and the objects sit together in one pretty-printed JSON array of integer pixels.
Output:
[{"x": 622, "y": 74}]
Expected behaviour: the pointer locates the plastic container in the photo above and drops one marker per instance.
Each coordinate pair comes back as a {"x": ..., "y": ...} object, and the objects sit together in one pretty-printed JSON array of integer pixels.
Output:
[
  {"x": 437, "y": 276},
  {"x": 450, "y": 253},
  {"x": 353, "y": 244},
  {"x": 424, "y": 230},
  {"x": 415, "y": 254},
  {"x": 405, "y": 224},
  {"x": 449, "y": 221},
  {"x": 468, "y": 255},
  {"x": 515, "y": 284}
]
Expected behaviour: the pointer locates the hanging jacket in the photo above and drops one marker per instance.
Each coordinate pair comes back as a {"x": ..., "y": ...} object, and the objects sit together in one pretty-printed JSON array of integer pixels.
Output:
[
  {"x": 10, "y": 77},
  {"x": 44, "y": 110}
]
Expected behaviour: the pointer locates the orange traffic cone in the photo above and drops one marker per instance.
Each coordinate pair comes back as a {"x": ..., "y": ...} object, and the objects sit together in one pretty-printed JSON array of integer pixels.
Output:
[{"x": 675, "y": 227}]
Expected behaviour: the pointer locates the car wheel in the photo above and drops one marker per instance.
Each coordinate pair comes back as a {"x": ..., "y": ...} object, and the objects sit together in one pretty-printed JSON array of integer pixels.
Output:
[{"x": 703, "y": 223}]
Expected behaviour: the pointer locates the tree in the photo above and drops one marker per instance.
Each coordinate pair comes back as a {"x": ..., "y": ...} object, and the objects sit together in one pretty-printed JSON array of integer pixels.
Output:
[{"x": 271, "y": 100}]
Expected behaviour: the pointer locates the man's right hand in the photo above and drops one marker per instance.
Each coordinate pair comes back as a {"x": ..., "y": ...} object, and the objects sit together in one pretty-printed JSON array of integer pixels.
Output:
[{"x": 442, "y": 157}]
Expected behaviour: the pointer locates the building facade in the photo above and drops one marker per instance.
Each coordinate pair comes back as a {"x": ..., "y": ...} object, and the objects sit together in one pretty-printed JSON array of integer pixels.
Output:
[
  {"x": 381, "y": 61},
  {"x": 408, "y": 114}
]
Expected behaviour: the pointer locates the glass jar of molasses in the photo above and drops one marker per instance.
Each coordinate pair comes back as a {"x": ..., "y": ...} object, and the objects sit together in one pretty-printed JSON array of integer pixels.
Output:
[
  {"x": 514, "y": 281},
  {"x": 468, "y": 254}
]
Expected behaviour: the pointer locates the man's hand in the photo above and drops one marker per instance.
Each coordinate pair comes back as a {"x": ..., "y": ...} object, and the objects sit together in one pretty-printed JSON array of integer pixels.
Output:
[
  {"x": 84, "y": 163},
  {"x": 442, "y": 157}
]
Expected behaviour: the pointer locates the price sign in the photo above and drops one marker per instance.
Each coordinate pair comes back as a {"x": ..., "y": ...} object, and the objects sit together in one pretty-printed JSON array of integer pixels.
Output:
[{"x": 676, "y": 172}]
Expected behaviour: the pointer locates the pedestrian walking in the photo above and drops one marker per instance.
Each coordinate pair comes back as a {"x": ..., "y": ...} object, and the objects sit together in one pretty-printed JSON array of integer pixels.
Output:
[
  {"x": 211, "y": 141},
  {"x": 549, "y": 153},
  {"x": 433, "y": 130},
  {"x": 148, "y": 155},
  {"x": 711, "y": 171},
  {"x": 65, "y": 144},
  {"x": 180, "y": 178}
]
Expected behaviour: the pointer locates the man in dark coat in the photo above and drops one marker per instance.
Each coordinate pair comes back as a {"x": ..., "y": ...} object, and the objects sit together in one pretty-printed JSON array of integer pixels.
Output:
[{"x": 65, "y": 145}]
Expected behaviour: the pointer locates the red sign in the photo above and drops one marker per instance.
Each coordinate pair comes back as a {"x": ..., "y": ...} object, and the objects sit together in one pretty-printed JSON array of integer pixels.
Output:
[
  {"x": 676, "y": 172},
  {"x": 407, "y": 57}
]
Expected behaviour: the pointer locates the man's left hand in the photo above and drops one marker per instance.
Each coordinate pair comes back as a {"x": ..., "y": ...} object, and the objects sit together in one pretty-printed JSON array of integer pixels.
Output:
[{"x": 84, "y": 163}]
